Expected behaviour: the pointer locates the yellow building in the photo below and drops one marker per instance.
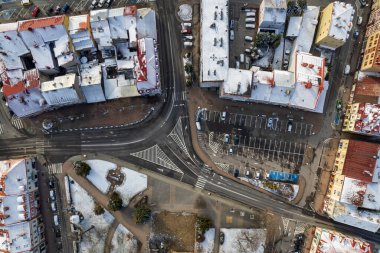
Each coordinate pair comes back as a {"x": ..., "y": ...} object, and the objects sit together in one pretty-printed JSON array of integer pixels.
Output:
[
  {"x": 371, "y": 59},
  {"x": 334, "y": 25},
  {"x": 375, "y": 5}
]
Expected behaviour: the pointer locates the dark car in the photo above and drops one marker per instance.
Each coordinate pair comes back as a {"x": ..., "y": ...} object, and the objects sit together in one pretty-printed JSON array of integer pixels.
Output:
[
  {"x": 221, "y": 238},
  {"x": 57, "y": 9},
  {"x": 356, "y": 34},
  {"x": 236, "y": 173},
  {"x": 35, "y": 11},
  {"x": 65, "y": 8}
]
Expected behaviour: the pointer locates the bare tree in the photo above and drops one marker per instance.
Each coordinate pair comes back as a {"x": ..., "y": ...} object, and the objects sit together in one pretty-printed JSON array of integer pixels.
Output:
[{"x": 248, "y": 241}]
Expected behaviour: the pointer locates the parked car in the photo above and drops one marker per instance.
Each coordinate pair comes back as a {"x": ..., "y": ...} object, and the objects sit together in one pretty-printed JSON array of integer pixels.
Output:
[
  {"x": 26, "y": 2},
  {"x": 257, "y": 175},
  {"x": 347, "y": 69},
  {"x": 231, "y": 151},
  {"x": 248, "y": 38},
  {"x": 57, "y": 9},
  {"x": 101, "y": 3},
  {"x": 35, "y": 11},
  {"x": 289, "y": 125},
  {"x": 223, "y": 116},
  {"x": 270, "y": 123},
  {"x": 108, "y": 3},
  {"x": 250, "y": 26},
  {"x": 232, "y": 24},
  {"x": 232, "y": 35},
  {"x": 53, "y": 206},
  {"x": 356, "y": 34},
  {"x": 94, "y": 4},
  {"x": 226, "y": 138},
  {"x": 236, "y": 173},
  {"x": 186, "y": 31},
  {"x": 360, "y": 20},
  {"x": 65, "y": 8},
  {"x": 248, "y": 174},
  {"x": 221, "y": 238}
]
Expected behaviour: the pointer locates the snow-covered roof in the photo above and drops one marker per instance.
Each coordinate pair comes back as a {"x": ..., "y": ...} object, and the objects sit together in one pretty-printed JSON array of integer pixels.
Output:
[
  {"x": 101, "y": 32},
  {"x": 148, "y": 59},
  {"x": 124, "y": 56},
  {"x": 364, "y": 118},
  {"x": 310, "y": 82},
  {"x": 214, "y": 40},
  {"x": 79, "y": 32},
  {"x": 280, "y": 4},
  {"x": 329, "y": 241},
  {"x": 81, "y": 22},
  {"x": 361, "y": 194},
  {"x": 62, "y": 51},
  {"x": 97, "y": 15},
  {"x": 239, "y": 82},
  {"x": 304, "y": 41},
  {"x": 120, "y": 25},
  {"x": 59, "y": 82},
  {"x": 90, "y": 73},
  {"x": 350, "y": 215},
  {"x": 273, "y": 13},
  {"x": 5, "y": 27},
  {"x": 341, "y": 20},
  {"x": 13, "y": 177},
  {"x": 16, "y": 238},
  {"x": 294, "y": 26},
  {"x": 146, "y": 23}
]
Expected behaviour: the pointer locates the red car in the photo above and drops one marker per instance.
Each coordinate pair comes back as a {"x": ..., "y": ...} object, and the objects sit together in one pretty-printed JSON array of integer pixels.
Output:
[{"x": 35, "y": 11}]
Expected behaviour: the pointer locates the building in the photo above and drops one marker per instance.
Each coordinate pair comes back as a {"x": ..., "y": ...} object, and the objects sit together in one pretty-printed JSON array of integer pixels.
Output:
[
  {"x": 79, "y": 30},
  {"x": 48, "y": 42},
  {"x": 375, "y": 5},
  {"x": 335, "y": 24},
  {"x": 373, "y": 24},
  {"x": 367, "y": 88},
  {"x": 362, "y": 118},
  {"x": 371, "y": 58},
  {"x": 21, "y": 227},
  {"x": 330, "y": 241},
  {"x": 63, "y": 90},
  {"x": 272, "y": 15},
  {"x": 123, "y": 23},
  {"x": 353, "y": 195},
  {"x": 146, "y": 23},
  {"x": 91, "y": 82},
  {"x": 214, "y": 43},
  {"x": 294, "y": 27},
  {"x": 101, "y": 32}
]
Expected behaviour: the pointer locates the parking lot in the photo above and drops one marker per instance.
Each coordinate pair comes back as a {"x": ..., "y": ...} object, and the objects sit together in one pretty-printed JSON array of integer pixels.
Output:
[
  {"x": 14, "y": 11},
  {"x": 238, "y": 17},
  {"x": 259, "y": 122}
]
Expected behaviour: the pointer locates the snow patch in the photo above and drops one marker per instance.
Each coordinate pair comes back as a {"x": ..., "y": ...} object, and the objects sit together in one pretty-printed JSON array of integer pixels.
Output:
[
  {"x": 133, "y": 184},
  {"x": 207, "y": 246},
  {"x": 123, "y": 241},
  {"x": 233, "y": 236},
  {"x": 93, "y": 240},
  {"x": 98, "y": 173}
]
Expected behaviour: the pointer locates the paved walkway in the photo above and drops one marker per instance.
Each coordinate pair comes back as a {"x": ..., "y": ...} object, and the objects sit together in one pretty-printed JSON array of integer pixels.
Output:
[
  {"x": 124, "y": 216},
  {"x": 110, "y": 233}
]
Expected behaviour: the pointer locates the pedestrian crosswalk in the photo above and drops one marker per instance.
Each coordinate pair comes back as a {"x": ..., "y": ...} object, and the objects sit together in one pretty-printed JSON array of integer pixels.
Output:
[
  {"x": 201, "y": 182},
  {"x": 17, "y": 122},
  {"x": 55, "y": 168},
  {"x": 177, "y": 136},
  {"x": 157, "y": 156},
  {"x": 1, "y": 128}
]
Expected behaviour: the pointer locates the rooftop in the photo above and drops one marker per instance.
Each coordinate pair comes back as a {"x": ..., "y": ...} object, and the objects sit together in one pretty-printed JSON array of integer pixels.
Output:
[
  {"x": 214, "y": 40},
  {"x": 16, "y": 238},
  {"x": 101, "y": 32},
  {"x": 146, "y": 23},
  {"x": 294, "y": 27},
  {"x": 367, "y": 119},
  {"x": 341, "y": 20},
  {"x": 360, "y": 161},
  {"x": 367, "y": 85},
  {"x": 59, "y": 82},
  {"x": 239, "y": 82},
  {"x": 41, "y": 22},
  {"x": 120, "y": 25},
  {"x": 81, "y": 22},
  {"x": 91, "y": 73},
  {"x": 329, "y": 241},
  {"x": 361, "y": 194}
]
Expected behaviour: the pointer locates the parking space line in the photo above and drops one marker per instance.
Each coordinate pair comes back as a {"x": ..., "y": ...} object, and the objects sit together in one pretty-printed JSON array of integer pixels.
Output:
[
  {"x": 301, "y": 128},
  {"x": 311, "y": 127},
  {"x": 290, "y": 147},
  {"x": 296, "y": 127},
  {"x": 255, "y": 121}
]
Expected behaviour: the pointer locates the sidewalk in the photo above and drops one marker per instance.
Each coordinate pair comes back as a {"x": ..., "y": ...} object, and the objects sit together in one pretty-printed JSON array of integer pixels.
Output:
[{"x": 124, "y": 216}]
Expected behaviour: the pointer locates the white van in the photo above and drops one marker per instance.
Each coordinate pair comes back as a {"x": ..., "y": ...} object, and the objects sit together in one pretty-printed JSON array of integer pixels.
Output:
[
  {"x": 248, "y": 38},
  {"x": 52, "y": 195},
  {"x": 224, "y": 114},
  {"x": 251, "y": 14},
  {"x": 232, "y": 35},
  {"x": 250, "y": 26},
  {"x": 198, "y": 124},
  {"x": 53, "y": 206},
  {"x": 186, "y": 24},
  {"x": 188, "y": 44},
  {"x": 242, "y": 58},
  {"x": 347, "y": 69},
  {"x": 56, "y": 220},
  {"x": 250, "y": 20}
]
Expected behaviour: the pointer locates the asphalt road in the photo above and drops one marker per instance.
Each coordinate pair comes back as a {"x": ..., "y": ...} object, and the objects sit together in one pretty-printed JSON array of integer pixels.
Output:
[{"x": 122, "y": 143}]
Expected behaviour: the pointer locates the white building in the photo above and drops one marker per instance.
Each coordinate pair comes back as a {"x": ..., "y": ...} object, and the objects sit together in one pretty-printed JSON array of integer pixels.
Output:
[
  {"x": 123, "y": 25},
  {"x": 20, "y": 227},
  {"x": 63, "y": 90},
  {"x": 146, "y": 23},
  {"x": 272, "y": 15},
  {"x": 39, "y": 34},
  {"x": 214, "y": 43},
  {"x": 80, "y": 33},
  {"x": 101, "y": 32},
  {"x": 91, "y": 82}
]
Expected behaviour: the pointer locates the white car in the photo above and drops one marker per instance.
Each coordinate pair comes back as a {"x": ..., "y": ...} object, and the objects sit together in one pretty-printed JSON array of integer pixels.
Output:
[
  {"x": 101, "y": 3},
  {"x": 270, "y": 123},
  {"x": 26, "y": 2}
]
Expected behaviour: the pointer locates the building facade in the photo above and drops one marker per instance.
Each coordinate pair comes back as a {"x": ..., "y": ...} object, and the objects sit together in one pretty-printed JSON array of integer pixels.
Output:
[
  {"x": 362, "y": 118},
  {"x": 335, "y": 24},
  {"x": 21, "y": 227},
  {"x": 371, "y": 58},
  {"x": 273, "y": 15}
]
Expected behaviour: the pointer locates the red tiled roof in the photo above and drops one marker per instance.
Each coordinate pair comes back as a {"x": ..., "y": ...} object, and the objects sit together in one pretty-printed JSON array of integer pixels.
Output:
[
  {"x": 130, "y": 10},
  {"x": 41, "y": 22},
  {"x": 360, "y": 160},
  {"x": 368, "y": 86},
  {"x": 31, "y": 80}
]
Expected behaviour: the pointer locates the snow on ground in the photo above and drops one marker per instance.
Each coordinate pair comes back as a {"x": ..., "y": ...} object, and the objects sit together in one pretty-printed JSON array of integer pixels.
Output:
[
  {"x": 98, "y": 173},
  {"x": 93, "y": 240},
  {"x": 123, "y": 241},
  {"x": 234, "y": 240},
  {"x": 133, "y": 184},
  {"x": 207, "y": 246}
]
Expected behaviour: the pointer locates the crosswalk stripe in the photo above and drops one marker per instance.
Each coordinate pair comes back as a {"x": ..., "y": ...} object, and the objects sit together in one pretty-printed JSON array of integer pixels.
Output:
[
  {"x": 55, "y": 168},
  {"x": 177, "y": 135},
  {"x": 201, "y": 182},
  {"x": 1, "y": 129},
  {"x": 17, "y": 122}
]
